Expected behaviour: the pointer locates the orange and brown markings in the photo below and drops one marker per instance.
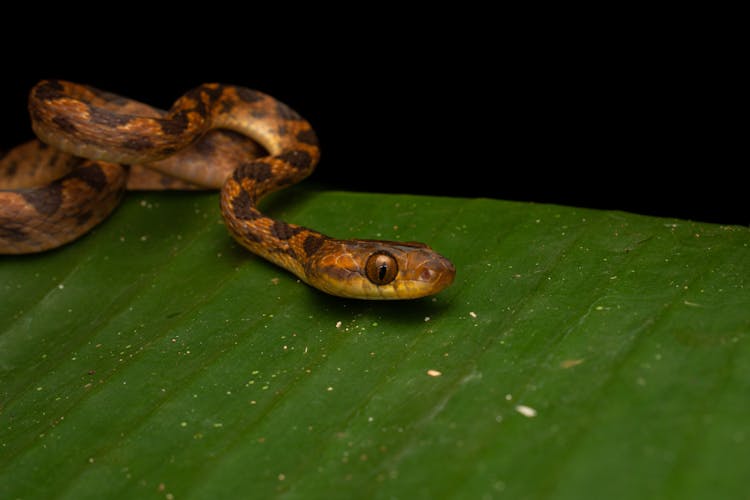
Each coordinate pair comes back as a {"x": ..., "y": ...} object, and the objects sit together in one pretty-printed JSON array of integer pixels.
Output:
[
  {"x": 262, "y": 144},
  {"x": 58, "y": 212},
  {"x": 183, "y": 143}
]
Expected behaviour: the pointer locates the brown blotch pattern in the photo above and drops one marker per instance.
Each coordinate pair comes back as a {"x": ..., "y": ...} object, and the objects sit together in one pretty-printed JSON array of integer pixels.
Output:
[
  {"x": 284, "y": 231},
  {"x": 244, "y": 208},
  {"x": 138, "y": 143},
  {"x": 92, "y": 175},
  {"x": 258, "y": 170},
  {"x": 213, "y": 93},
  {"x": 200, "y": 105},
  {"x": 312, "y": 244},
  {"x": 308, "y": 137},
  {"x": 50, "y": 90},
  {"x": 45, "y": 200},
  {"x": 10, "y": 230},
  {"x": 175, "y": 125},
  {"x": 296, "y": 158},
  {"x": 64, "y": 124},
  {"x": 106, "y": 118}
]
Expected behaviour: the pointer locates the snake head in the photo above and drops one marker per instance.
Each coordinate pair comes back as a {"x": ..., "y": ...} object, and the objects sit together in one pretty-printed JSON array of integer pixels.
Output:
[{"x": 380, "y": 270}]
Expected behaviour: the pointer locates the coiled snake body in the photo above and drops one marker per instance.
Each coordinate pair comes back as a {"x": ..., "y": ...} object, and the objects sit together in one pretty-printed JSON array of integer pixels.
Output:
[{"x": 111, "y": 132}]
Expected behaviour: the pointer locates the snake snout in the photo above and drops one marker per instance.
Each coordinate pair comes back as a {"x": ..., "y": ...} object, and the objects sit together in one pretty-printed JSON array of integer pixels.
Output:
[{"x": 437, "y": 272}]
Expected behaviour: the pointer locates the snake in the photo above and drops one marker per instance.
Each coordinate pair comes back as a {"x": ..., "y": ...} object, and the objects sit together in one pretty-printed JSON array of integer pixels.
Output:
[{"x": 93, "y": 145}]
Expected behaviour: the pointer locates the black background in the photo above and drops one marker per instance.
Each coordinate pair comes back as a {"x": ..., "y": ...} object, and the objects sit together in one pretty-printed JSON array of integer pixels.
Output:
[{"x": 616, "y": 117}]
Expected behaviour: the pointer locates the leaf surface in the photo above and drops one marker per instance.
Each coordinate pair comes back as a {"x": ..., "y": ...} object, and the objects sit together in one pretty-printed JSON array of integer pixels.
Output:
[{"x": 580, "y": 353}]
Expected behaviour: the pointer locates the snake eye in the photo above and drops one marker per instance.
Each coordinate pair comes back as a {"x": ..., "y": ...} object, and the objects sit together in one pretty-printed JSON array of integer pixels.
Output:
[{"x": 381, "y": 268}]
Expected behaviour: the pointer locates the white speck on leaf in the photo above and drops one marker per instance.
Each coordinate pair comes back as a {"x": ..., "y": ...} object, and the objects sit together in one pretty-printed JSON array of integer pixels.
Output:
[{"x": 526, "y": 411}]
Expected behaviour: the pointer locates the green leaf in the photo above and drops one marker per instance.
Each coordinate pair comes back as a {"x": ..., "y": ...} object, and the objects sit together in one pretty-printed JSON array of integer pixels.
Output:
[{"x": 579, "y": 354}]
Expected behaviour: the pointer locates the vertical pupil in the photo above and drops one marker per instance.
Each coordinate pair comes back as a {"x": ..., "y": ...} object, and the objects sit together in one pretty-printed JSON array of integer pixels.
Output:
[{"x": 381, "y": 268}]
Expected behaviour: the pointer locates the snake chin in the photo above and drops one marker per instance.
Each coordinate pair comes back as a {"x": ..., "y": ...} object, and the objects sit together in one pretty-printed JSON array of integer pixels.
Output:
[{"x": 341, "y": 269}]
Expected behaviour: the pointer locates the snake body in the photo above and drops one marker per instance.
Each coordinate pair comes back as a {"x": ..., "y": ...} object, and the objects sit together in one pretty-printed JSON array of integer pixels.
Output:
[{"x": 95, "y": 144}]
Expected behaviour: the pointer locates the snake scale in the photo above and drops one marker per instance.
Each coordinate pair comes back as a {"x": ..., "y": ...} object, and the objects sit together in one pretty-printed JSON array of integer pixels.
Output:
[{"x": 95, "y": 144}]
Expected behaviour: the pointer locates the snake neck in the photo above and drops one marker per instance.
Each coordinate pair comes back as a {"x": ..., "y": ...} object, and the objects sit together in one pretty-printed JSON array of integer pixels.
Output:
[
  {"x": 294, "y": 152},
  {"x": 284, "y": 244}
]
